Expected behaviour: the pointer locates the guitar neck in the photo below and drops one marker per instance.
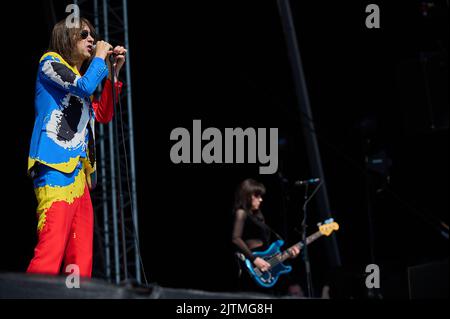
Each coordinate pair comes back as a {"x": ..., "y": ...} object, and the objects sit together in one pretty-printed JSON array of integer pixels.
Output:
[{"x": 285, "y": 255}]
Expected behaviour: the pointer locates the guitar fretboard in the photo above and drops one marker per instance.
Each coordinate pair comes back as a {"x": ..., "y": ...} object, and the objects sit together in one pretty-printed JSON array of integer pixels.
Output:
[
  {"x": 310, "y": 239},
  {"x": 285, "y": 255}
]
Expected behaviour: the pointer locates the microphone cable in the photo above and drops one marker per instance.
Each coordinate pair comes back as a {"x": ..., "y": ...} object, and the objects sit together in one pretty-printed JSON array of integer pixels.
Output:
[{"x": 119, "y": 106}]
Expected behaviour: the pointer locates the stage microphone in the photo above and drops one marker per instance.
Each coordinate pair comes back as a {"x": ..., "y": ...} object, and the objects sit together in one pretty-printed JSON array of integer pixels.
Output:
[
  {"x": 110, "y": 49},
  {"x": 110, "y": 57},
  {"x": 307, "y": 182}
]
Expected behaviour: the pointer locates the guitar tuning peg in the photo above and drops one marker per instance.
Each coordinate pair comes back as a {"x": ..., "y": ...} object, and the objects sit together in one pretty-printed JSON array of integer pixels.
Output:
[
  {"x": 319, "y": 224},
  {"x": 329, "y": 220}
]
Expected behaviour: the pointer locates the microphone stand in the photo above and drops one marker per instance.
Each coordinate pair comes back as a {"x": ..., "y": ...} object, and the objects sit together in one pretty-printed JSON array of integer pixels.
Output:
[{"x": 305, "y": 255}]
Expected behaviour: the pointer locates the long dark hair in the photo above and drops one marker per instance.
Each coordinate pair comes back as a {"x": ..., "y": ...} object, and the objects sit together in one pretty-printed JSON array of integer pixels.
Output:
[
  {"x": 63, "y": 40},
  {"x": 243, "y": 195}
]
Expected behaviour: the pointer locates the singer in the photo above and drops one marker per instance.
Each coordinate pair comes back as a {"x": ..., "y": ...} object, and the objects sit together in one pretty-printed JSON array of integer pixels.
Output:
[{"x": 61, "y": 160}]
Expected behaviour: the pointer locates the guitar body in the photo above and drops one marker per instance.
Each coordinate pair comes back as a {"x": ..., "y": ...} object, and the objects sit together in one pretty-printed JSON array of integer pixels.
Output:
[{"x": 268, "y": 278}]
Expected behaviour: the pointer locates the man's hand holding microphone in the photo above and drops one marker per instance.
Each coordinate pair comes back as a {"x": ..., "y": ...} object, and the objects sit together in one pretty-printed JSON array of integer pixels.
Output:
[{"x": 103, "y": 50}]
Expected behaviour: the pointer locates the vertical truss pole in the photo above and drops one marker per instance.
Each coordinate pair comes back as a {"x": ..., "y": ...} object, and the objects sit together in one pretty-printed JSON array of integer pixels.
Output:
[
  {"x": 131, "y": 141},
  {"x": 103, "y": 172},
  {"x": 112, "y": 166}
]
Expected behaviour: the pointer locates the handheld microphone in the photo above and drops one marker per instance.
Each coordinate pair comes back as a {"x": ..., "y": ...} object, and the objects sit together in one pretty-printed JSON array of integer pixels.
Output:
[
  {"x": 307, "y": 182},
  {"x": 111, "y": 56},
  {"x": 110, "y": 49}
]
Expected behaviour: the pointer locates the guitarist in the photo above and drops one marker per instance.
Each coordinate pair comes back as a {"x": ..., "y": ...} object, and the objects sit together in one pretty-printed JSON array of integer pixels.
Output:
[{"x": 250, "y": 232}]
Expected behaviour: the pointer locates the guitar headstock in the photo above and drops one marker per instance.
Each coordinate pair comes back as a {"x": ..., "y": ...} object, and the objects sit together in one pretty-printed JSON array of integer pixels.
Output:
[{"x": 328, "y": 227}]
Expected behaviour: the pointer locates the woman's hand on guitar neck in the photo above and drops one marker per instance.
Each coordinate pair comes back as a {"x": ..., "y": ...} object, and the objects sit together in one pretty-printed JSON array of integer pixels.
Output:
[
  {"x": 261, "y": 264},
  {"x": 293, "y": 251}
]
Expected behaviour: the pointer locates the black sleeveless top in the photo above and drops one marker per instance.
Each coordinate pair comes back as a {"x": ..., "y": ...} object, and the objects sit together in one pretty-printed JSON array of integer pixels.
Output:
[{"x": 254, "y": 228}]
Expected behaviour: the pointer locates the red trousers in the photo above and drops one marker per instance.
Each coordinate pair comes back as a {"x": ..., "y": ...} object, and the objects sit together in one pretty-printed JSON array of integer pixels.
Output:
[{"x": 66, "y": 232}]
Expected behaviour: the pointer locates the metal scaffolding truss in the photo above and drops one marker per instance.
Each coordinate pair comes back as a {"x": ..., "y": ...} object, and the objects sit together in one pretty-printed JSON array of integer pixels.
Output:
[{"x": 116, "y": 253}]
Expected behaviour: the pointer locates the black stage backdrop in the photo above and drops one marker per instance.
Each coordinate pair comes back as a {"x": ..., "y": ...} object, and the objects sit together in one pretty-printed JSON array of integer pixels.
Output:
[{"x": 226, "y": 63}]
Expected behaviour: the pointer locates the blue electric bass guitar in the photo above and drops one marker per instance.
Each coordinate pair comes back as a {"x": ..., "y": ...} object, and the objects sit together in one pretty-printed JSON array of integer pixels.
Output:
[{"x": 275, "y": 257}]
